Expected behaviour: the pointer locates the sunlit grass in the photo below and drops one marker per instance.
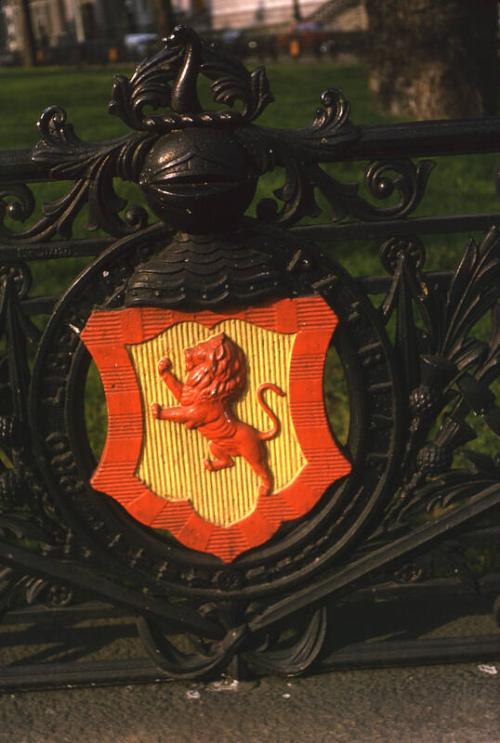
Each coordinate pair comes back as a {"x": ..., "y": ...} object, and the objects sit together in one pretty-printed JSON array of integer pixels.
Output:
[{"x": 457, "y": 184}]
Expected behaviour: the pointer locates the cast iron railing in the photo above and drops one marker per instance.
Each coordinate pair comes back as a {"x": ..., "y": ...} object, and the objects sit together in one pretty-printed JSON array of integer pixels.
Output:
[{"x": 406, "y": 493}]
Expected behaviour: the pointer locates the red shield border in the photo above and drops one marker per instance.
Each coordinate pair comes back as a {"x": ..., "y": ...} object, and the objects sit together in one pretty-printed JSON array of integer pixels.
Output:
[{"x": 107, "y": 334}]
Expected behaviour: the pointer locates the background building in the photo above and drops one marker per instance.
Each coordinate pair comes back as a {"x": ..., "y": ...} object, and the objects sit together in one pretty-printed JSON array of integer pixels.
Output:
[{"x": 58, "y": 24}]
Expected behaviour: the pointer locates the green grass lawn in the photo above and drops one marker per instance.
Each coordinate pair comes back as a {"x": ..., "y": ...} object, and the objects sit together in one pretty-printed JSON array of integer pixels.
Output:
[
  {"x": 84, "y": 92},
  {"x": 458, "y": 184}
]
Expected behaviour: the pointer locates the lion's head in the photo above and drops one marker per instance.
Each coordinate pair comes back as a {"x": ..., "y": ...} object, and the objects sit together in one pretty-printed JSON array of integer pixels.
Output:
[{"x": 216, "y": 369}]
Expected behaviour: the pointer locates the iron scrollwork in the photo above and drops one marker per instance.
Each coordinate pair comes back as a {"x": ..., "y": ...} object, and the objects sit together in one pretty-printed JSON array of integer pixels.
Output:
[{"x": 415, "y": 372}]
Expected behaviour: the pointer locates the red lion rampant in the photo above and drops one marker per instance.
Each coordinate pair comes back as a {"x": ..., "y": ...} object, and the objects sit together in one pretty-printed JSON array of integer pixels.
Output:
[{"x": 217, "y": 378}]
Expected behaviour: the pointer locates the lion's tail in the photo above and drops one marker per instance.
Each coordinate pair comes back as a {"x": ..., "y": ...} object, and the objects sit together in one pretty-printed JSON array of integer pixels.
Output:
[{"x": 267, "y": 435}]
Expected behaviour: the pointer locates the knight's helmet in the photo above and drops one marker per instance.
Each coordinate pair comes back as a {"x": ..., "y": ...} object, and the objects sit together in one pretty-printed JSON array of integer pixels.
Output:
[{"x": 199, "y": 177}]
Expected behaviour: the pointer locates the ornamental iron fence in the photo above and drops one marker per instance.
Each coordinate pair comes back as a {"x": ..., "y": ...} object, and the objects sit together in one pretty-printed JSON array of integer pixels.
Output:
[{"x": 229, "y": 513}]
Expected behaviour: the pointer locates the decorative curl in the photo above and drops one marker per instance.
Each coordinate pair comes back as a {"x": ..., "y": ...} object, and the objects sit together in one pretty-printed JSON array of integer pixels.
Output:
[
  {"x": 412, "y": 249},
  {"x": 54, "y": 128},
  {"x": 334, "y": 111},
  {"x": 18, "y": 204},
  {"x": 384, "y": 178},
  {"x": 18, "y": 274}
]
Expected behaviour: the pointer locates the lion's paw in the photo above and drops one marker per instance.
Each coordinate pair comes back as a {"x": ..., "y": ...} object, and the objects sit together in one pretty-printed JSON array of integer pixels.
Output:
[
  {"x": 156, "y": 410},
  {"x": 265, "y": 490},
  {"x": 208, "y": 464},
  {"x": 164, "y": 365}
]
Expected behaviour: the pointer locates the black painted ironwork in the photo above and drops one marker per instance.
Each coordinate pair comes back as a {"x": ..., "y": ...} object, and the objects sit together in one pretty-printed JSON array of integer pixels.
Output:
[{"x": 420, "y": 353}]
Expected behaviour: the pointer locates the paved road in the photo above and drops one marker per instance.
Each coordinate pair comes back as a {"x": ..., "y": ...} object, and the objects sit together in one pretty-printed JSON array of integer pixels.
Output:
[{"x": 440, "y": 704}]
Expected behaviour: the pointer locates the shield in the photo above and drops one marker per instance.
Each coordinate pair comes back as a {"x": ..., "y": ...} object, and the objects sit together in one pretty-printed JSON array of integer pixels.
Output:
[{"x": 217, "y": 429}]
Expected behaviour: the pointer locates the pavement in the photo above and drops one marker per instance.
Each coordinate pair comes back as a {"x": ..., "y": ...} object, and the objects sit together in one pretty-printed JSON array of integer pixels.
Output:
[
  {"x": 439, "y": 704},
  {"x": 455, "y": 703}
]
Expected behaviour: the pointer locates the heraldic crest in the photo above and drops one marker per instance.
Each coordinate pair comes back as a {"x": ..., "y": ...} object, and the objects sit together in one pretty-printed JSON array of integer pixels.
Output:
[
  {"x": 244, "y": 445},
  {"x": 210, "y": 459},
  {"x": 212, "y": 332}
]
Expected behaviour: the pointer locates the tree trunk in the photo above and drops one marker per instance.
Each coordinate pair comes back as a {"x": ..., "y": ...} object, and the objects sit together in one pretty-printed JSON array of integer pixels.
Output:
[
  {"x": 431, "y": 60},
  {"x": 27, "y": 35},
  {"x": 164, "y": 17}
]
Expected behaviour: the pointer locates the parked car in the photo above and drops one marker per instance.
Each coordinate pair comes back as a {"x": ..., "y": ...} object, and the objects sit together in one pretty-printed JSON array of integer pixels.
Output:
[
  {"x": 245, "y": 44},
  {"x": 138, "y": 46},
  {"x": 308, "y": 38},
  {"x": 9, "y": 59}
]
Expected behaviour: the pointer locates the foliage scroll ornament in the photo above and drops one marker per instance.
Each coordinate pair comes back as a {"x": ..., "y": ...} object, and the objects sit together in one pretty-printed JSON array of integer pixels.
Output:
[
  {"x": 449, "y": 371},
  {"x": 415, "y": 370},
  {"x": 168, "y": 80}
]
